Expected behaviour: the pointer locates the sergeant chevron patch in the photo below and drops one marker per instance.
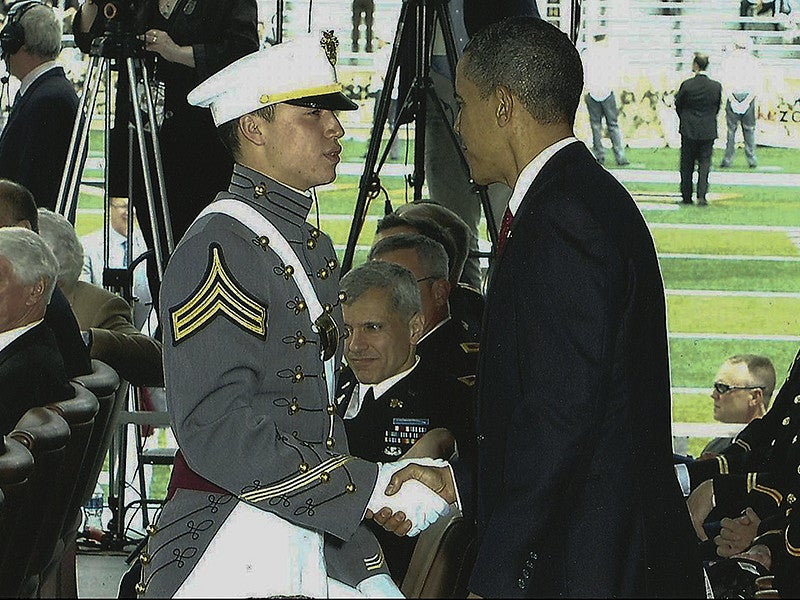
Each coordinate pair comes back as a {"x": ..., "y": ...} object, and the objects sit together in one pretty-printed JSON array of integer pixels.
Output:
[
  {"x": 374, "y": 562},
  {"x": 219, "y": 293}
]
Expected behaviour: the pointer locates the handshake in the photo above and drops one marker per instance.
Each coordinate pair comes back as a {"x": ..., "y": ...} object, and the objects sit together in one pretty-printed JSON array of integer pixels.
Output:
[{"x": 411, "y": 494}]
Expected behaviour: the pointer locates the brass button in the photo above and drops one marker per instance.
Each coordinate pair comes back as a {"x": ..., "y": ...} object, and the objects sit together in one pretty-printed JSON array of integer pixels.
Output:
[
  {"x": 332, "y": 264},
  {"x": 322, "y": 273},
  {"x": 331, "y": 409},
  {"x": 289, "y": 270},
  {"x": 327, "y": 308},
  {"x": 324, "y": 477},
  {"x": 314, "y": 233},
  {"x": 798, "y": 470},
  {"x": 152, "y": 529},
  {"x": 522, "y": 583},
  {"x": 260, "y": 190},
  {"x": 293, "y": 408},
  {"x": 342, "y": 297},
  {"x": 330, "y": 443},
  {"x": 311, "y": 243},
  {"x": 300, "y": 340},
  {"x": 298, "y": 376},
  {"x": 797, "y": 399},
  {"x": 350, "y": 488},
  {"x": 144, "y": 557},
  {"x": 301, "y": 306},
  {"x": 791, "y": 498},
  {"x": 786, "y": 421},
  {"x": 303, "y": 468},
  {"x": 141, "y": 588}
]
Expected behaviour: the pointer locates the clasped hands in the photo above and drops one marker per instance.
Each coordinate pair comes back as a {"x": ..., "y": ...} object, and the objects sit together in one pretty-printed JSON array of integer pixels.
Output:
[{"x": 411, "y": 494}]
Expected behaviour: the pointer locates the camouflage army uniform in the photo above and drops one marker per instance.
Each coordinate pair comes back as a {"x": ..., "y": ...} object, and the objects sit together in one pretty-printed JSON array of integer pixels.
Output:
[{"x": 247, "y": 395}]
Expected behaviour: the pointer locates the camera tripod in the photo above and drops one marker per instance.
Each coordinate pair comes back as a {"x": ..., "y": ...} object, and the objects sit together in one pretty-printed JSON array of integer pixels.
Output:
[
  {"x": 121, "y": 47},
  {"x": 423, "y": 16}
]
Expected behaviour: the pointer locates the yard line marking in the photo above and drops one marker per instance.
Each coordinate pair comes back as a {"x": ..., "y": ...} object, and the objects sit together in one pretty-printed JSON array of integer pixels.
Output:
[
  {"x": 734, "y": 336},
  {"x": 678, "y": 255},
  {"x": 737, "y": 293},
  {"x": 786, "y": 228}
]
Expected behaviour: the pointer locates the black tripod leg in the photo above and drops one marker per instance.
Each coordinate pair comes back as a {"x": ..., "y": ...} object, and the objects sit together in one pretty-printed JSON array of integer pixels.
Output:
[{"x": 369, "y": 183}]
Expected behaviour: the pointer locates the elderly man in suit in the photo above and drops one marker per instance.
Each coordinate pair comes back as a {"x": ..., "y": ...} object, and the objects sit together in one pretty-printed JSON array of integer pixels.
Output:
[
  {"x": 697, "y": 101},
  {"x": 31, "y": 370},
  {"x": 36, "y": 138},
  {"x": 576, "y": 491},
  {"x": 18, "y": 209}
]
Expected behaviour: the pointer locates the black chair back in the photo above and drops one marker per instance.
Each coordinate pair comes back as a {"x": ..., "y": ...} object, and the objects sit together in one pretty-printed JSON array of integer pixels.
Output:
[{"x": 46, "y": 435}]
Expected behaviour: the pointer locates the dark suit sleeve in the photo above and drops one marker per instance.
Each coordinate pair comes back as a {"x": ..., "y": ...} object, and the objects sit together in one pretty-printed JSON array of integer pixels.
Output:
[
  {"x": 61, "y": 320},
  {"x": 562, "y": 307}
]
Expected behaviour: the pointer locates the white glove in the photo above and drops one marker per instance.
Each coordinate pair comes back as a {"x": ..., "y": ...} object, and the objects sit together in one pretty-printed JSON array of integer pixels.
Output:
[{"x": 421, "y": 505}]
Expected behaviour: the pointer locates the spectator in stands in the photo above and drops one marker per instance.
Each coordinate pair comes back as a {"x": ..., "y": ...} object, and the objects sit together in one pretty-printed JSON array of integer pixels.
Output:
[
  {"x": 388, "y": 396},
  {"x": 444, "y": 344},
  {"x": 742, "y": 392},
  {"x": 755, "y": 8},
  {"x": 94, "y": 261},
  {"x": 466, "y": 302},
  {"x": 601, "y": 66},
  {"x": 754, "y": 479},
  {"x": 104, "y": 317},
  {"x": 31, "y": 368},
  {"x": 697, "y": 102},
  {"x": 36, "y": 138},
  {"x": 189, "y": 41},
  {"x": 18, "y": 209},
  {"x": 741, "y": 77}
]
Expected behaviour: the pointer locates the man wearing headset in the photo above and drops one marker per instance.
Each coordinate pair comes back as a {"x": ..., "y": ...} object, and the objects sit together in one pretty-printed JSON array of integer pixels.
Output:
[{"x": 35, "y": 140}]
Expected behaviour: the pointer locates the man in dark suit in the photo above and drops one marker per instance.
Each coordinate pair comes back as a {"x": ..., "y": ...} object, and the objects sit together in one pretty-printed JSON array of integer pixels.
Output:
[
  {"x": 387, "y": 395},
  {"x": 36, "y": 137},
  {"x": 697, "y": 102},
  {"x": 18, "y": 209},
  {"x": 576, "y": 492},
  {"x": 31, "y": 369}
]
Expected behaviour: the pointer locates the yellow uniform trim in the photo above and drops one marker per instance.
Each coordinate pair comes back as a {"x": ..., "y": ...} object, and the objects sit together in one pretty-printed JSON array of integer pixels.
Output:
[
  {"x": 723, "y": 465},
  {"x": 754, "y": 486},
  {"x": 793, "y": 550},
  {"x": 218, "y": 293},
  {"x": 295, "y": 482},
  {"x": 374, "y": 562},
  {"x": 743, "y": 444},
  {"x": 328, "y": 88}
]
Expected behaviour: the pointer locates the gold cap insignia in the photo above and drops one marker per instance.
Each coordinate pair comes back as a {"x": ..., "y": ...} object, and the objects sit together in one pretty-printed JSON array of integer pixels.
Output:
[{"x": 329, "y": 43}]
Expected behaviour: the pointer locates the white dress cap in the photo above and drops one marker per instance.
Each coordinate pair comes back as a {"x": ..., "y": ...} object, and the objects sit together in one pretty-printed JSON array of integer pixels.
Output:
[{"x": 299, "y": 71}]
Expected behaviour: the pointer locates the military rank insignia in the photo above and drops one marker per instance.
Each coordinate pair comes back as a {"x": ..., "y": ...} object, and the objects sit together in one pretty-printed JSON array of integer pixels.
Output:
[
  {"x": 330, "y": 44},
  {"x": 218, "y": 294},
  {"x": 403, "y": 434}
]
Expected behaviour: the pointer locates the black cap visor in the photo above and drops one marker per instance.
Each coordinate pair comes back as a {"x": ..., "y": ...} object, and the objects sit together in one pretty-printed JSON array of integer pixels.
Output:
[{"x": 333, "y": 101}]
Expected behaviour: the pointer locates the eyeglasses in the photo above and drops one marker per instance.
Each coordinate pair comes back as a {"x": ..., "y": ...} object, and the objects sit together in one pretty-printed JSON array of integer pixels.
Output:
[
  {"x": 427, "y": 278},
  {"x": 724, "y": 388}
]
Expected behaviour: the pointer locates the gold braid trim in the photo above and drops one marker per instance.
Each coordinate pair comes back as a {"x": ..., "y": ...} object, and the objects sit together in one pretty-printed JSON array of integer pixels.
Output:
[
  {"x": 296, "y": 482},
  {"x": 791, "y": 549},
  {"x": 723, "y": 465},
  {"x": 754, "y": 486}
]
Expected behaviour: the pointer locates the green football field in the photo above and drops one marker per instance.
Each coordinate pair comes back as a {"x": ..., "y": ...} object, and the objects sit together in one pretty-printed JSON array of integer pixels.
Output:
[{"x": 731, "y": 270}]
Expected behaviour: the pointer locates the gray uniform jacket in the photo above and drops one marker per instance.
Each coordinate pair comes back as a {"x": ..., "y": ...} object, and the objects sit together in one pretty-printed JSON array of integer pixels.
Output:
[{"x": 246, "y": 391}]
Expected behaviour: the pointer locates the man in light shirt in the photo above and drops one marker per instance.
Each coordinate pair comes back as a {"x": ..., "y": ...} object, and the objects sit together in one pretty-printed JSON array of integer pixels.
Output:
[
  {"x": 601, "y": 69},
  {"x": 740, "y": 73}
]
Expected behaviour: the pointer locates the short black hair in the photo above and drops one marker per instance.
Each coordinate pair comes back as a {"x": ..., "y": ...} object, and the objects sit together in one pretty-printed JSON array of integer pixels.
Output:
[{"x": 18, "y": 203}]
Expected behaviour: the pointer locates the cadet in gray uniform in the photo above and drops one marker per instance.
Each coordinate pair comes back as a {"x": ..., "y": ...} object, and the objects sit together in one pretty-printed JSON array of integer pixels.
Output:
[{"x": 265, "y": 498}]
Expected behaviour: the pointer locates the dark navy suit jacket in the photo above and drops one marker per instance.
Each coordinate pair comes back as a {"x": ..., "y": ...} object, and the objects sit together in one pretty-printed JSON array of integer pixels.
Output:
[
  {"x": 577, "y": 494},
  {"x": 36, "y": 138},
  {"x": 31, "y": 374}
]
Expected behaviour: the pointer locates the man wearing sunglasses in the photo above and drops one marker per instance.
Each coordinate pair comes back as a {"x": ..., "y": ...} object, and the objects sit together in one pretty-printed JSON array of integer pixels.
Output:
[{"x": 742, "y": 392}]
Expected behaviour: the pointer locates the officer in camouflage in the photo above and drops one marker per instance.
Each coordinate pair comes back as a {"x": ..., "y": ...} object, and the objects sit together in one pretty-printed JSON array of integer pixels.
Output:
[{"x": 264, "y": 498}]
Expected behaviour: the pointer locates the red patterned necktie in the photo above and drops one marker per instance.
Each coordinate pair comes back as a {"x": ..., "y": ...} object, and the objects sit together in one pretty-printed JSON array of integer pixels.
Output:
[{"x": 505, "y": 229}]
